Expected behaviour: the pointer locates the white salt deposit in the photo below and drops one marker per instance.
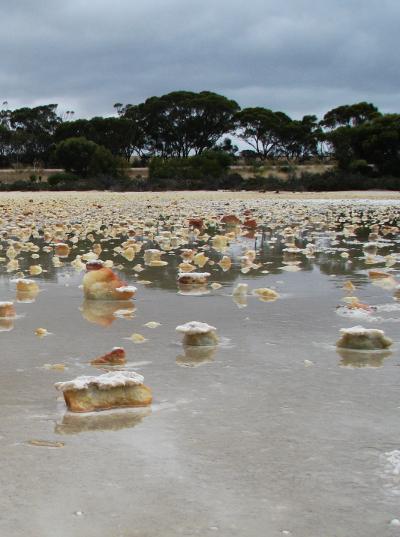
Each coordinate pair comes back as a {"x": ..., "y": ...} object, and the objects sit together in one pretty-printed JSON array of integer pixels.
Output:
[
  {"x": 24, "y": 280},
  {"x": 195, "y": 327},
  {"x": 194, "y": 275},
  {"x": 129, "y": 288},
  {"x": 361, "y": 331},
  {"x": 107, "y": 381}
]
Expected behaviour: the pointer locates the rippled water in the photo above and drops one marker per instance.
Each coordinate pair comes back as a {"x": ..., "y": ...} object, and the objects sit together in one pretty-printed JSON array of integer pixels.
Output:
[{"x": 273, "y": 433}]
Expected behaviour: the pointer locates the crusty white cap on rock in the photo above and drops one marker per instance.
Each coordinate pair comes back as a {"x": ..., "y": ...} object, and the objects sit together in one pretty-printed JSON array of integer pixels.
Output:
[
  {"x": 361, "y": 331},
  {"x": 124, "y": 288},
  {"x": 107, "y": 381},
  {"x": 195, "y": 327},
  {"x": 194, "y": 275}
]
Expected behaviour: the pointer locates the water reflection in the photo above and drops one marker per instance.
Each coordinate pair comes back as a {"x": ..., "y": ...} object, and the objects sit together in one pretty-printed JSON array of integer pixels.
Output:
[
  {"x": 6, "y": 325},
  {"x": 27, "y": 296},
  {"x": 193, "y": 290},
  {"x": 105, "y": 421},
  {"x": 357, "y": 359},
  {"x": 104, "y": 312},
  {"x": 195, "y": 356}
]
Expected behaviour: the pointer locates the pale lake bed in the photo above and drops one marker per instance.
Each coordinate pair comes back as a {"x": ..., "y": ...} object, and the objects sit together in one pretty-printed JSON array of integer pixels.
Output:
[{"x": 275, "y": 431}]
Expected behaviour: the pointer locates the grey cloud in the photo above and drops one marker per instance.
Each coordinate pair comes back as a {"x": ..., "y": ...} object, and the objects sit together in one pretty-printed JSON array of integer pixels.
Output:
[{"x": 299, "y": 56}]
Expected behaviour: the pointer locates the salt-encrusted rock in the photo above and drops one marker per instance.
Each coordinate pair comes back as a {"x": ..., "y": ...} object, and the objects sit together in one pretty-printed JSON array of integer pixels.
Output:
[
  {"x": 361, "y": 338},
  {"x": 62, "y": 250},
  {"x": 196, "y": 333},
  {"x": 101, "y": 283},
  {"x": 266, "y": 294},
  {"x": 193, "y": 278},
  {"x": 152, "y": 257},
  {"x": 115, "y": 357},
  {"x": 111, "y": 390},
  {"x": 26, "y": 286}
]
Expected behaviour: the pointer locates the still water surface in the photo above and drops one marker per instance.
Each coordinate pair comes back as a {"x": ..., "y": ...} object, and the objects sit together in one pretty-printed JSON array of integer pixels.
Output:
[{"x": 273, "y": 433}]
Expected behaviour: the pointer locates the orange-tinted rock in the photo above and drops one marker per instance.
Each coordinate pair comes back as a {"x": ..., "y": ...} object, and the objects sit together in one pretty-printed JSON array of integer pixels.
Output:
[
  {"x": 230, "y": 219},
  {"x": 115, "y": 357}
]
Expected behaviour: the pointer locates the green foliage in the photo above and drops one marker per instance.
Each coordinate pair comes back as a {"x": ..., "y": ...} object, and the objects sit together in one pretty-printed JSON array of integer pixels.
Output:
[
  {"x": 376, "y": 141},
  {"x": 200, "y": 171},
  {"x": 187, "y": 131},
  {"x": 274, "y": 134},
  {"x": 30, "y": 132},
  {"x": 62, "y": 177},
  {"x": 351, "y": 115},
  {"x": 87, "y": 159},
  {"x": 182, "y": 122}
]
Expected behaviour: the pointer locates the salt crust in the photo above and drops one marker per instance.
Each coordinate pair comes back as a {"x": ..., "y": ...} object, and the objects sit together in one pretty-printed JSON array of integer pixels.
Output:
[
  {"x": 6, "y": 304},
  {"x": 194, "y": 275},
  {"x": 24, "y": 280},
  {"x": 107, "y": 381},
  {"x": 125, "y": 288},
  {"x": 195, "y": 327},
  {"x": 361, "y": 331}
]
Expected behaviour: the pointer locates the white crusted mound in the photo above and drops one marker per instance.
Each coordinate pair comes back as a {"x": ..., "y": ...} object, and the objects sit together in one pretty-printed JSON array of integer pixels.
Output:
[
  {"x": 153, "y": 251},
  {"x": 102, "y": 382},
  {"x": 363, "y": 339},
  {"x": 361, "y": 331},
  {"x": 195, "y": 327},
  {"x": 24, "y": 280},
  {"x": 125, "y": 288},
  {"x": 2, "y": 304},
  {"x": 194, "y": 275}
]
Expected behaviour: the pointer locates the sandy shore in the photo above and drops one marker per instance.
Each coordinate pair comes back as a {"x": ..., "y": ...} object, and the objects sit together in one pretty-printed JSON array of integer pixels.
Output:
[{"x": 214, "y": 195}]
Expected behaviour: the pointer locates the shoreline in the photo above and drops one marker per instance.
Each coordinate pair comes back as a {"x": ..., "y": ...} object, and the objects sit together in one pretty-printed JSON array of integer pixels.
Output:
[{"x": 210, "y": 194}]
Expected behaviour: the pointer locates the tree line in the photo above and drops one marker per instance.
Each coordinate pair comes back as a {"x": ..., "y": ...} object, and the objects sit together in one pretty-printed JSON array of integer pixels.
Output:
[{"x": 184, "y": 124}]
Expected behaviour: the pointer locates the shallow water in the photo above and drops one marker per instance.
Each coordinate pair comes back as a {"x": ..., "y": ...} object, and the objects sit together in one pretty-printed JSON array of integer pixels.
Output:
[{"x": 273, "y": 433}]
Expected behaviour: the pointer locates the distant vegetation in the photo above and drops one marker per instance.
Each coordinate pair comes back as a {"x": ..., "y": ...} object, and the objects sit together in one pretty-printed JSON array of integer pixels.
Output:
[{"x": 184, "y": 139}]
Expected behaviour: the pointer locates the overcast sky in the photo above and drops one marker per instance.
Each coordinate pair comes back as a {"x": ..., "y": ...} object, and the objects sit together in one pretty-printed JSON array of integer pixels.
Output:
[{"x": 298, "y": 56}]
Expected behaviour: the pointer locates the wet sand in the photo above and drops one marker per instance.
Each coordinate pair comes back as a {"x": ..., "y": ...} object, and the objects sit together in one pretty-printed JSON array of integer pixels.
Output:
[{"x": 274, "y": 433}]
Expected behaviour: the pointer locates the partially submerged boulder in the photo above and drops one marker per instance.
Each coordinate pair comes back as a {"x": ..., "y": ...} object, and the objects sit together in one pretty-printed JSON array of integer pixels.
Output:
[
  {"x": 101, "y": 283},
  {"x": 193, "y": 278},
  {"x": 196, "y": 333},
  {"x": 366, "y": 339},
  {"x": 111, "y": 390},
  {"x": 115, "y": 357}
]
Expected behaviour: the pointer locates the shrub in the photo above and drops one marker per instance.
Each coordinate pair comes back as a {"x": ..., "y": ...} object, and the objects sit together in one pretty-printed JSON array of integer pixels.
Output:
[
  {"x": 197, "y": 172},
  {"x": 88, "y": 159},
  {"x": 61, "y": 177}
]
